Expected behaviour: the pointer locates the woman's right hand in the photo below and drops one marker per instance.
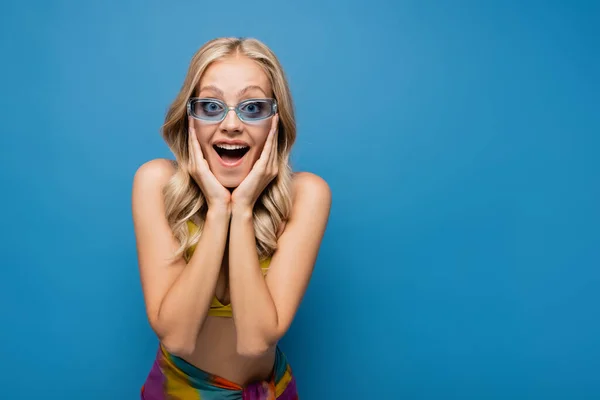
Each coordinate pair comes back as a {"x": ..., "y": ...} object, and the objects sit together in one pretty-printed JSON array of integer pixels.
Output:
[{"x": 217, "y": 196}]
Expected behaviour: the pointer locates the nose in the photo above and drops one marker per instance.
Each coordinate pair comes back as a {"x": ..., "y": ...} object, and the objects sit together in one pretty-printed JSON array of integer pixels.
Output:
[{"x": 231, "y": 123}]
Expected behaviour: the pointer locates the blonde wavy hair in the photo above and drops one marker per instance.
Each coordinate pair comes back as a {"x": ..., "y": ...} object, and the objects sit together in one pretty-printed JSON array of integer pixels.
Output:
[{"x": 183, "y": 198}]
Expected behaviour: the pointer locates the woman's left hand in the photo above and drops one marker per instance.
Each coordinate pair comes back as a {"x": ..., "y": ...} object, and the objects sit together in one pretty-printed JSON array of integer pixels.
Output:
[{"x": 263, "y": 172}]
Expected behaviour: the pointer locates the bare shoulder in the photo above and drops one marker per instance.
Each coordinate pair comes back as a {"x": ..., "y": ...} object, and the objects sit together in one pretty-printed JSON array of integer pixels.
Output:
[
  {"x": 308, "y": 185},
  {"x": 148, "y": 183},
  {"x": 151, "y": 177},
  {"x": 311, "y": 191},
  {"x": 154, "y": 172}
]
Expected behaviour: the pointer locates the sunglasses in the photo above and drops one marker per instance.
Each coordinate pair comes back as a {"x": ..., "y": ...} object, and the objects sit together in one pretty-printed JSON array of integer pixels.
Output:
[{"x": 215, "y": 110}]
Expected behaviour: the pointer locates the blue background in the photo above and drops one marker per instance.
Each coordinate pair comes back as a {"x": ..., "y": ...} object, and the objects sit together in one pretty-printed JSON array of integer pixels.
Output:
[{"x": 460, "y": 140}]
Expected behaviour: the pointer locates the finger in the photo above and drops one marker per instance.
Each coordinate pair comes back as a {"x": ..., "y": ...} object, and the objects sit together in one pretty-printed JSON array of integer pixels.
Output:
[
  {"x": 190, "y": 143},
  {"x": 195, "y": 146},
  {"x": 275, "y": 122},
  {"x": 267, "y": 149},
  {"x": 274, "y": 144}
]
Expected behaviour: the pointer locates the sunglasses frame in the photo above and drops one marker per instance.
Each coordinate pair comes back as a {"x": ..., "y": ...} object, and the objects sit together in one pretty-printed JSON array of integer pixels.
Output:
[{"x": 227, "y": 109}]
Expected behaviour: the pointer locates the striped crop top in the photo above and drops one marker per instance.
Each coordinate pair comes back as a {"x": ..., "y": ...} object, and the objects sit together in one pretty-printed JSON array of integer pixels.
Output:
[{"x": 217, "y": 309}]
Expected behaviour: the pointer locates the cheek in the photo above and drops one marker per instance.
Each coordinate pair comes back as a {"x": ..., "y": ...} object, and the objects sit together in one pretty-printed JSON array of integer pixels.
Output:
[
  {"x": 203, "y": 134},
  {"x": 260, "y": 139},
  {"x": 206, "y": 148}
]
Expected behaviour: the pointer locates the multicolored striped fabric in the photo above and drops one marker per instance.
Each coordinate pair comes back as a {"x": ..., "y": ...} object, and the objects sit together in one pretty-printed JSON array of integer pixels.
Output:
[{"x": 172, "y": 377}]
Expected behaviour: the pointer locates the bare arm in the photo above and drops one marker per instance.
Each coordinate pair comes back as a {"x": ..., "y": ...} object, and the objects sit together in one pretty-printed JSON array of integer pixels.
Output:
[
  {"x": 263, "y": 309},
  {"x": 177, "y": 295}
]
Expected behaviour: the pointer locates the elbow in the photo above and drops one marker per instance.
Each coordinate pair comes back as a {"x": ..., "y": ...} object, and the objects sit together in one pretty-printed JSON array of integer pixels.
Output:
[
  {"x": 178, "y": 347},
  {"x": 174, "y": 341},
  {"x": 256, "y": 341},
  {"x": 252, "y": 351},
  {"x": 254, "y": 347}
]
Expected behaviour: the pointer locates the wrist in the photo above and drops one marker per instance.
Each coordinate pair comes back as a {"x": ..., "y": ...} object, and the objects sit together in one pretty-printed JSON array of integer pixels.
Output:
[
  {"x": 241, "y": 211},
  {"x": 218, "y": 212}
]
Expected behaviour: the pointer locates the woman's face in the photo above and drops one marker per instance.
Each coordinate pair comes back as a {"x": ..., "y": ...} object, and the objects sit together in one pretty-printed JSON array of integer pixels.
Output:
[{"x": 231, "y": 146}]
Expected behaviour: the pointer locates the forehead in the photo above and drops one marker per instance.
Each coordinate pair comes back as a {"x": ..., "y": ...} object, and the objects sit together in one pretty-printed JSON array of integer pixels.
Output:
[{"x": 233, "y": 74}]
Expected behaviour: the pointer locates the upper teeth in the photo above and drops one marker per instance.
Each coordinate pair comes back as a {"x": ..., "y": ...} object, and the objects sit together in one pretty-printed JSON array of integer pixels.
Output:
[{"x": 231, "y": 146}]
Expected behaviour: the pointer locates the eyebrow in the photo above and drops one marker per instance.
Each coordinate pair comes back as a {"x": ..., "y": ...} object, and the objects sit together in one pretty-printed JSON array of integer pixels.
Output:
[{"x": 241, "y": 92}]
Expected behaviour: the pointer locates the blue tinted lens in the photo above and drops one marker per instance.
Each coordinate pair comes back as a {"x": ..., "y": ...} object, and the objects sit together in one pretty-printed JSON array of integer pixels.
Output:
[
  {"x": 256, "y": 109},
  {"x": 207, "y": 109},
  {"x": 215, "y": 110}
]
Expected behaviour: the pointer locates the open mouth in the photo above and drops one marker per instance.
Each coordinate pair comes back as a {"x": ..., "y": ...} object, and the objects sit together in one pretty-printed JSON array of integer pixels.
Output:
[{"x": 231, "y": 154}]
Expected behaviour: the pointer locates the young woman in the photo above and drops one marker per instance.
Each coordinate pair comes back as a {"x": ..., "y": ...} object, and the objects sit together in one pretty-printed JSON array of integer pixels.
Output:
[{"x": 227, "y": 236}]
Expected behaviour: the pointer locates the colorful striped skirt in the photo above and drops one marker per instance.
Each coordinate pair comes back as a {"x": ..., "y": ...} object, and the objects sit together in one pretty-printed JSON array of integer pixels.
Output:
[{"x": 172, "y": 377}]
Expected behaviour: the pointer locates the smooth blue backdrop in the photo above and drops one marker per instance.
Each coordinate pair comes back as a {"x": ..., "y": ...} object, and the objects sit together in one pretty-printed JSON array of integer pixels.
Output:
[{"x": 460, "y": 140}]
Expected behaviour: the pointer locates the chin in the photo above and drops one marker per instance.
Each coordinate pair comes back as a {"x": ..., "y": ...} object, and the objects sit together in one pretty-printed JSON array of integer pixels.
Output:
[
  {"x": 230, "y": 183},
  {"x": 231, "y": 177}
]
